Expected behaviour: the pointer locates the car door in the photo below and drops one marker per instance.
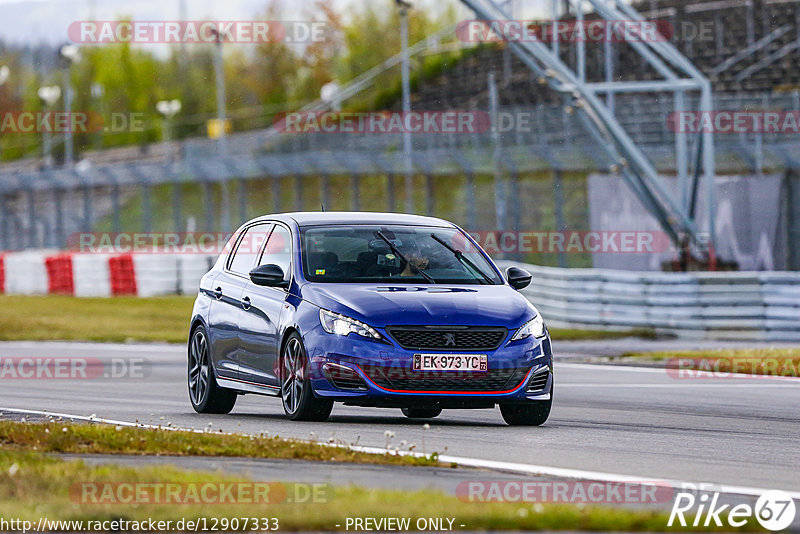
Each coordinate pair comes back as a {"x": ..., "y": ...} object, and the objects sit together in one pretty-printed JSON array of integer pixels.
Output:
[
  {"x": 227, "y": 307},
  {"x": 260, "y": 324}
]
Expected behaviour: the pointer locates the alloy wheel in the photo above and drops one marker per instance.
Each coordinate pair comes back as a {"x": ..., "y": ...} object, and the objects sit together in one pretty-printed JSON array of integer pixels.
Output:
[
  {"x": 198, "y": 368},
  {"x": 293, "y": 376}
]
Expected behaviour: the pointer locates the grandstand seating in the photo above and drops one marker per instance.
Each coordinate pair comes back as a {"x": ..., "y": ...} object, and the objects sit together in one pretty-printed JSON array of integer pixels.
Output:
[{"x": 707, "y": 32}]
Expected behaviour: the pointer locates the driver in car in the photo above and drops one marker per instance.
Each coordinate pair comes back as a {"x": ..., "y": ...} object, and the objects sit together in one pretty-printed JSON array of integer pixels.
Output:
[{"x": 415, "y": 260}]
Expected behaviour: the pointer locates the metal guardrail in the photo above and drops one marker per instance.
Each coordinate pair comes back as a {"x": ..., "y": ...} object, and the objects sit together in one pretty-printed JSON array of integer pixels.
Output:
[
  {"x": 725, "y": 305},
  {"x": 762, "y": 306}
]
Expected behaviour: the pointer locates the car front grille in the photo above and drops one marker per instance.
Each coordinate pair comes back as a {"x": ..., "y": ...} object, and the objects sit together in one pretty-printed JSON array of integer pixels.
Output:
[
  {"x": 448, "y": 338},
  {"x": 404, "y": 379}
]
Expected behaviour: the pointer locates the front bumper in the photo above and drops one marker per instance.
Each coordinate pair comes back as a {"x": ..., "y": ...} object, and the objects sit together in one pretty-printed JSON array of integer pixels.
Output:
[{"x": 516, "y": 373}]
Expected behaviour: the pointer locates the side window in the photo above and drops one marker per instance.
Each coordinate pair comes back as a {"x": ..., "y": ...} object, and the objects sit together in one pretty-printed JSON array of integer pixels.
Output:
[
  {"x": 244, "y": 258},
  {"x": 279, "y": 249}
]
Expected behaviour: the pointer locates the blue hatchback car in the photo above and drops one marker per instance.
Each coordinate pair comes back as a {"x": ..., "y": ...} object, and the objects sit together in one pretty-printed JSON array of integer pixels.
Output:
[{"x": 367, "y": 309}]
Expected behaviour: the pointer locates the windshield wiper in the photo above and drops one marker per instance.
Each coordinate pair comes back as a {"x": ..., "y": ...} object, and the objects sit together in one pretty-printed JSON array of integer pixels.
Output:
[
  {"x": 400, "y": 255},
  {"x": 463, "y": 259}
]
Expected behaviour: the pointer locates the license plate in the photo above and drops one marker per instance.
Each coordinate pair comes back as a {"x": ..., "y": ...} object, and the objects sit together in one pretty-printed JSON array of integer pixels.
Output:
[{"x": 450, "y": 362}]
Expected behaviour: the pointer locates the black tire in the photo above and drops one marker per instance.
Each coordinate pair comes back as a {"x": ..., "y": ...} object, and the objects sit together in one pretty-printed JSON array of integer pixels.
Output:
[
  {"x": 204, "y": 393},
  {"x": 531, "y": 413},
  {"x": 299, "y": 401},
  {"x": 421, "y": 413}
]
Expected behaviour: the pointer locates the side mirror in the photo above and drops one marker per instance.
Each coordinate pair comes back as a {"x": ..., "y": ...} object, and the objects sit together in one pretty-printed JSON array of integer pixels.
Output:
[
  {"x": 518, "y": 278},
  {"x": 268, "y": 275}
]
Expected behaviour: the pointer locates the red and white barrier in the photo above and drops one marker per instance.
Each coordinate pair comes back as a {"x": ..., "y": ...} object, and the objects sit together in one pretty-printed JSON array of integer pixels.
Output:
[
  {"x": 122, "y": 277},
  {"x": 91, "y": 275},
  {"x": 43, "y": 272},
  {"x": 156, "y": 274},
  {"x": 59, "y": 274},
  {"x": 26, "y": 272},
  {"x": 191, "y": 270}
]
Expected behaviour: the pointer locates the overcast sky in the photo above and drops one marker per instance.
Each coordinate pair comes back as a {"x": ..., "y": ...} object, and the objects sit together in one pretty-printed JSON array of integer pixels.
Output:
[{"x": 30, "y": 21}]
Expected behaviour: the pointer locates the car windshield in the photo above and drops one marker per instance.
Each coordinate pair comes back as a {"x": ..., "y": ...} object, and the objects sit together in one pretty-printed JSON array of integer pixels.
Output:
[{"x": 396, "y": 254}]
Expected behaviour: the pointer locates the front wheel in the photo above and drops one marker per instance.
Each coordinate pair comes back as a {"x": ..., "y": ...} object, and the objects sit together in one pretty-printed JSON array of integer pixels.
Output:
[
  {"x": 531, "y": 413},
  {"x": 421, "y": 413},
  {"x": 299, "y": 401},
  {"x": 204, "y": 393}
]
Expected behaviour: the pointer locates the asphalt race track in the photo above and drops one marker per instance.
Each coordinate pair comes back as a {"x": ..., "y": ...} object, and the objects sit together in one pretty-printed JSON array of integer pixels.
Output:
[{"x": 611, "y": 419}]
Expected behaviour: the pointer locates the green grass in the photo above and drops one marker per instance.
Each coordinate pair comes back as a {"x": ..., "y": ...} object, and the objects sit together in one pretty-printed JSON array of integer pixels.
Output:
[
  {"x": 759, "y": 361},
  {"x": 118, "y": 319},
  {"x": 33, "y": 486},
  {"x": 107, "y": 439},
  {"x": 571, "y": 334}
]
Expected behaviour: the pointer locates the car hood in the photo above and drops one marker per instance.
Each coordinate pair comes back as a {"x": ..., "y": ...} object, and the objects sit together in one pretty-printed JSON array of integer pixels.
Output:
[{"x": 385, "y": 305}]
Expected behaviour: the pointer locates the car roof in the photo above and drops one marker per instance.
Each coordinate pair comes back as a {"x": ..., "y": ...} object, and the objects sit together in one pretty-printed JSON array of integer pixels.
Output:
[{"x": 316, "y": 218}]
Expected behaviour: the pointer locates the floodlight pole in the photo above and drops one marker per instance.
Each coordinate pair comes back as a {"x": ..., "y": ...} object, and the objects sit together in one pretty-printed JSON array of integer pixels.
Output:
[
  {"x": 500, "y": 188},
  {"x": 168, "y": 109},
  {"x": 219, "y": 74},
  {"x": 69, "y": 145},
  {"x": 4, "y": 74},
  {"x": 49, "y": 96},
  {"x": 404, "y": 70},
  {"x": 68, "y": 55}
]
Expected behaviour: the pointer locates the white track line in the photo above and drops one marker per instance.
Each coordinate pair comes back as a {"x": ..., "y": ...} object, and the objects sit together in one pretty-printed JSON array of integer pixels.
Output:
[
  {"x": 664, "y": 370},
  {"x": 508, "y": 467},
  {"x": 607, "y": 367},
  {"x": 136, "y": 348}
]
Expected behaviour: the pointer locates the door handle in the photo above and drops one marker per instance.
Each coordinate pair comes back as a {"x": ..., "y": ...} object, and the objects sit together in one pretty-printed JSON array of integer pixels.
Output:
[
  {"x": 246, "y": 303},
  {"x": 218, "y": 293}
]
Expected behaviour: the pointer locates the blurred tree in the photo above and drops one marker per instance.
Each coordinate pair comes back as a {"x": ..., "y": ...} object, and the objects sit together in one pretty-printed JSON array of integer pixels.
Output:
[
  {"x": 130, "y": 78},
  {"x": 319, "y": 58},
  {"x": 123, "y": 82},
  {"x": 372, "y": 35}
]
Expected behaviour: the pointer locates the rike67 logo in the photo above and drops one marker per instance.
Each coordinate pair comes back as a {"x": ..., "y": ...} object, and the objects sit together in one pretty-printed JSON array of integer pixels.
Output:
[{"x": 774, "y": 510}]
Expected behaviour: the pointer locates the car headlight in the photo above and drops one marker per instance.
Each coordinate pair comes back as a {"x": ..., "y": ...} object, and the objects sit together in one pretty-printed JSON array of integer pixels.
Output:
[
  {"x": 336, "y": 323},
  {"x": 534, "y": 327}
]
